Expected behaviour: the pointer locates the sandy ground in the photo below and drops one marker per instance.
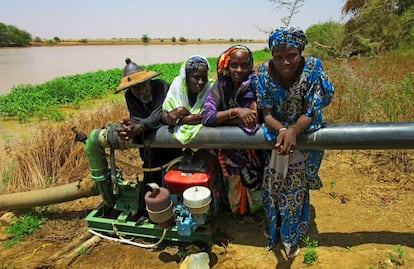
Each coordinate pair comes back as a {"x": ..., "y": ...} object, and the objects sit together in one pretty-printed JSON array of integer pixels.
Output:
[{"x": 361, "y": 217}]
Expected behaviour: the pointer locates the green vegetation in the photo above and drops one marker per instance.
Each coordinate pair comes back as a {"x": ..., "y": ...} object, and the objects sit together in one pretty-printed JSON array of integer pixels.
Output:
[
  {"x": 11, "y": 36},
  {"x": 372, "y": 27},
  {"x": 333, "y": 185},
  {"x": 145, "y": 38},
  {"x": 325, "y": 40},
  {"x": 43, "y": 100},
  {"x": 82, "y": 251},
  {"x": 311, "y": 254},
  {"x": 56, "y": 39},
  {"x": 376, "y": 26},
  {"x": 397, "y": 259},
  {"x": 25, "y": 225}
]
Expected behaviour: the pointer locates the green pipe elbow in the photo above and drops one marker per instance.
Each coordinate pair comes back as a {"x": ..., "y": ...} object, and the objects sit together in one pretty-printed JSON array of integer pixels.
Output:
[{"x": 98, "y": 165}]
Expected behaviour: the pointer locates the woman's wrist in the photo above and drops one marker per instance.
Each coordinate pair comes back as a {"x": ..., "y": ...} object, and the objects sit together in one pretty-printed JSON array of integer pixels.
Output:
[
  {"x": 296, "y": 128},
  {"x": 281, "y": 130},
  {"x": 178, "y": 120},
  {"x": 137, "y": 129},
  {"x": 232, "y": 114}
]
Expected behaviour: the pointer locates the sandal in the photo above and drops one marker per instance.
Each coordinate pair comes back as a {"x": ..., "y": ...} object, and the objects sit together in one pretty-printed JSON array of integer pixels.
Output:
[
  {"x": 266, "y": 233},
  {"x": 256, "y": 219},
  {"x": 291, "y": 251},
  {"x": 240, "y": 219}
]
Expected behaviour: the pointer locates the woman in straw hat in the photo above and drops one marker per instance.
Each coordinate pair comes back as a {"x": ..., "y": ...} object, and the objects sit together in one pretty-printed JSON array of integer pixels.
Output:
[{"x": 144, "y": 97}]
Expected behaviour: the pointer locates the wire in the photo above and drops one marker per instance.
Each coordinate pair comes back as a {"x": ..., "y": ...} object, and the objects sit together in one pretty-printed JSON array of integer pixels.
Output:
[{"x": 127, "y": 241}]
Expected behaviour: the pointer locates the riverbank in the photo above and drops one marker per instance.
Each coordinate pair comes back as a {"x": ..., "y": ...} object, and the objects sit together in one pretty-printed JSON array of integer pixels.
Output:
[{"x": 140, "y": 41}]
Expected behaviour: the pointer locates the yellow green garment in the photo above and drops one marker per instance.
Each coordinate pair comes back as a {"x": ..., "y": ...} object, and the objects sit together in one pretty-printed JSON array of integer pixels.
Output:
[{"x": 177, "y": 96}]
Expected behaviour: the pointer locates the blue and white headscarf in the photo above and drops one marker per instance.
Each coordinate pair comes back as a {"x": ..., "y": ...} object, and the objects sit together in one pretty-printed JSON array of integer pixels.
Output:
[{"x": 293, "y": 36}]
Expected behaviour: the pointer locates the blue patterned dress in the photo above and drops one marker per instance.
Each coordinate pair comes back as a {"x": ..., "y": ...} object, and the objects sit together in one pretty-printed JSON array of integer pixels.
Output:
[{"x": 289, "y": 196}]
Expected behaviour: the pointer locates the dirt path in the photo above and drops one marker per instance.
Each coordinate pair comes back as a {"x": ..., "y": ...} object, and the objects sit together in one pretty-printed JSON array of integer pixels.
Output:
[{"x": 361, "y": 218}]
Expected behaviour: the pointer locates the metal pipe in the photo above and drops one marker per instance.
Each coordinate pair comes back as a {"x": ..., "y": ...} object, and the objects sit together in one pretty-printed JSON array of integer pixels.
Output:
[
  {"x": 47, "y": 196},
  {"x": 386, "y": 135},
  {"x": 98, "y": 166},
  {"x": 379, "y": 135}
]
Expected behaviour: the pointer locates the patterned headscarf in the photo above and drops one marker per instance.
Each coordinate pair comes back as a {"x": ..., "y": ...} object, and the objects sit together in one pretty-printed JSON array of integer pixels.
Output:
[
  {"x": 193, "y": 63},
  {"x": 224, "y": 59},
  {"x": 293, "y": 36}
]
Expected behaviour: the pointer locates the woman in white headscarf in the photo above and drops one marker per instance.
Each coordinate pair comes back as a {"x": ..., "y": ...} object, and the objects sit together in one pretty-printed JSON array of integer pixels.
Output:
[{"x": 186, "y": 97}]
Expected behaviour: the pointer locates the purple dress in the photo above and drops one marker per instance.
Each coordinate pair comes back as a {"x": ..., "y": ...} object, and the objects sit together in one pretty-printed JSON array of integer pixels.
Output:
[{"x": 241, "y": 167}]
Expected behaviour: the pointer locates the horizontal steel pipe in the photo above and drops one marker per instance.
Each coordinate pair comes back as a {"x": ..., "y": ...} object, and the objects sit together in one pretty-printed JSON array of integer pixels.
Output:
[
  {"x": 49, "y": 196},
  {"x": 384, "y": 135}
]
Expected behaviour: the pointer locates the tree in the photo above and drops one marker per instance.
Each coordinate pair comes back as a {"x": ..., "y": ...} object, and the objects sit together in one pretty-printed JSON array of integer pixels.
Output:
[
  {"x": 145, "y": 38},
  {"x": 325, "y": 40},
  {"x": 11, "y": 36},
  {"x": 291, "y": 6},
  {"x": 378, "y": 25},
  {"x": 4, "y": 40}
]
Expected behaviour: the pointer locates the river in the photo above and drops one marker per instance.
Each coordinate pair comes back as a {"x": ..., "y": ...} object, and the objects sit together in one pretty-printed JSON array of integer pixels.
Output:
[{"x": 35, "y": 65}]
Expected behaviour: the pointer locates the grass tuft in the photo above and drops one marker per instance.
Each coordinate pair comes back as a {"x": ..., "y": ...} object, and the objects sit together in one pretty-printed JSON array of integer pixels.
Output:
[
  {"x": 311, "y": 254},
  {"x": 25, "y": 225}
]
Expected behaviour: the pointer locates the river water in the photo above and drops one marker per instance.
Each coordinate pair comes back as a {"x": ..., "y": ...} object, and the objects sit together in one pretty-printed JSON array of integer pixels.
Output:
[{"x": 35, "y": 65}]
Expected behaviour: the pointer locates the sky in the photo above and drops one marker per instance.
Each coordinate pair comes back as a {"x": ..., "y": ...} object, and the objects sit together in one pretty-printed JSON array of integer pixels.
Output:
[{"x": 191, "y": 19}]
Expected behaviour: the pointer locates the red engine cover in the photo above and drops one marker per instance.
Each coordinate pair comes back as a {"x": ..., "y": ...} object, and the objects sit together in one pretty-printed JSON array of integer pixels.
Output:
[{"x": 198, "y": 172}]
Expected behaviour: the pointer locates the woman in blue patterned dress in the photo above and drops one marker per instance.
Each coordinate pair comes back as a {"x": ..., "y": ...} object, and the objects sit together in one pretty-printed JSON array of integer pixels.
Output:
[{"x": 292, "y": 91}]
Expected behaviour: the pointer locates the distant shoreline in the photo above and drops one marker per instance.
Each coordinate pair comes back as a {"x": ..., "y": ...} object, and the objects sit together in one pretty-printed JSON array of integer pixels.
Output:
[{"x": 130, "y": 41}]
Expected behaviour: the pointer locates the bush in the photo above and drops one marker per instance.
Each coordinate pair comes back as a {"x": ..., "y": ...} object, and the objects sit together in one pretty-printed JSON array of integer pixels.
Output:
[
  {"x": 325, "y": 40},
  {"x": 145, "y": 38}
]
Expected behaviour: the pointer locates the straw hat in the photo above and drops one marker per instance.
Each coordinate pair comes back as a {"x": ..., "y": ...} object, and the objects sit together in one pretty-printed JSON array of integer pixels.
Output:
[{"x": 133, "y": 74}]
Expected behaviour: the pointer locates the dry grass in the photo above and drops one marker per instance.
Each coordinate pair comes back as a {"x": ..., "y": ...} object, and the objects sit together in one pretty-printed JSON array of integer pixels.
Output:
[
  {"x": 52, "y": 157},
  {"x": 372, "y": 89}
]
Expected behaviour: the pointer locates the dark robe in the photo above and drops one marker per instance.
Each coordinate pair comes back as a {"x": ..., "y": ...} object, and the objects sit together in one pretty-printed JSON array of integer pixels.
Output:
[{"x": 150, "y": 115}]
